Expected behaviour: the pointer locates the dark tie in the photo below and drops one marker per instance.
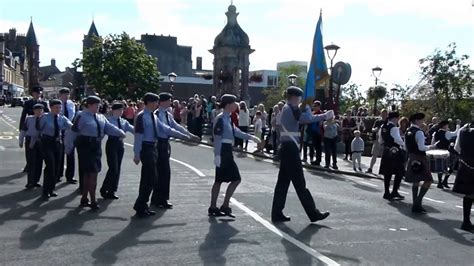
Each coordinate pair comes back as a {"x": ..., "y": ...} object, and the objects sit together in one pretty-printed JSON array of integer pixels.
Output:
[
  {"x": 154, "y": 125},
  {"x": 56, "y": 127},
  {"x": 118, "y": 123},
  {"x": 37, "y": 124},
  {"x": 98, "y": 125},
  {"x": 167, "y": 118},
  {"x": 66, "y": 112}
]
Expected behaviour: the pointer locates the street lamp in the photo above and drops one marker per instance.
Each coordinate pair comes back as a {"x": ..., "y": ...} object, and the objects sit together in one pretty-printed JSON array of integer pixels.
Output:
[
  {"x": 331, "y": 51},
  {"x": 394, "y": 106},
  {"x": 292, "y": 79},
  {"x": 172, "y": 77},
  {"x": 376, "y": 71}
]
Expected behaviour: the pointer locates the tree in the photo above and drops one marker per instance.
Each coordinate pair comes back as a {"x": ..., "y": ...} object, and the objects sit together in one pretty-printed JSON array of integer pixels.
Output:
[
  {"x": 449, "y": 80},
  {"x": 118, "y": 66},
  {"x": 351, "y": 96},
  {"x": 274, "y": 95},
  {"x": 376, "y": 93}
]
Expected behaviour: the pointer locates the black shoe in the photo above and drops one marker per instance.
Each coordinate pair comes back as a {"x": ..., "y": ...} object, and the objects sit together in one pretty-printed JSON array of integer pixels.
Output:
[
  {"x": 396, "y": 195},
  {"x": 29, "y": 186},
  {"x": 360, "y": 169},
  {"x": 53, "y": 194},
  {"x": 315, "y": 163},
  {"x": 319, "y": 216},
  {"x": 143, "y": 214},
  {"x": 369, "y": 171},
  {"x": 103, "y": 193},
  {"x": 214, "y": 212},
  {"x": 94, "y": 205},
  {"x": 326, "y": 167},
  {"x": 111, "y": 196},
  {"x": 164, "y": 205},
  {"x": 446, "y": 185},
  {"x": 25, "y": 169},
  {"x": 387, "y": 196},
  {"x": 72, "y": 181},
  {"x": 355, "y": 169},
  {"x": 335, "y": 167},
  {"x": 84, "y": 203},
  {"x": 36, "y": 185},
  {"x": 45, "y": 197},
  {"x": 280, "y": 218},
  {"x": 227, "y": 211},
  {"x": 418, "y": 209},
  {"x": 467, "y": 226},
  {"x": 440, "y": 186}
]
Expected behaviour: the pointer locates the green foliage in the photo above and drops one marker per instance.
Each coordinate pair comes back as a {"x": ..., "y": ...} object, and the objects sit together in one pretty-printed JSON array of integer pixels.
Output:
[
  {"x": 274, "y": 95},
  {"x": 351, "y": 96},
  {"x": 119, "y": 66},
  {"x": 376, "y": 93}
]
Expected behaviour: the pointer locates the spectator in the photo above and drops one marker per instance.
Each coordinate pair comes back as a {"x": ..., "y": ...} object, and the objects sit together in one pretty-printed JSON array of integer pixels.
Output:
[
  {"x": 258, "y": 124},
  {"x": 316, "y": 135},
  {"x": 264, "y": 117},
  {"x": 184, "y": 113},
  {"x": 357, "y": 148},
  {"x": 176, "y": 111},
  {"x": 307, "y": 143},
  {"x": 244, "y": 122},
  {"x": 331, "y": 128},
  {"x": 198, "y": 113},
  {"x": 348, "y": 125},
  {"x": 234, "y": 117},
  {"x": 129, "y": 112}
]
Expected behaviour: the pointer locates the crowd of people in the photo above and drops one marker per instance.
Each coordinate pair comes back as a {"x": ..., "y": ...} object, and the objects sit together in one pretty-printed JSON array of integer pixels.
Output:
[{"x": 290, "y": 129}]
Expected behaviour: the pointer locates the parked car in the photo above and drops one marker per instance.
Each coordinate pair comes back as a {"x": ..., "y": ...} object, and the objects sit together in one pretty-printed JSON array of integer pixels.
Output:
[{"x": 17, "y": 101}]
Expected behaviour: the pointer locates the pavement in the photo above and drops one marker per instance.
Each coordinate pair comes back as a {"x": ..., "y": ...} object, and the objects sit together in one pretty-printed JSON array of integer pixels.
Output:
[{"x": 362, "y": 229}]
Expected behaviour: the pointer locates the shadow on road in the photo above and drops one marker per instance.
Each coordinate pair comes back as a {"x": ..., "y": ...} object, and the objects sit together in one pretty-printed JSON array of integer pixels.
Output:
[
  {"x": 446, "y": 228},
  {"x": 7, "y": 179},
  {"x": 218, "y": 239},
  {"x": 129, "y": 237}
]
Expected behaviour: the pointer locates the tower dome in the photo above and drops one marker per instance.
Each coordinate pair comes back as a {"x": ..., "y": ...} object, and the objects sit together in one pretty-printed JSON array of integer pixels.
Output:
[{"x": 232, "y": 34}]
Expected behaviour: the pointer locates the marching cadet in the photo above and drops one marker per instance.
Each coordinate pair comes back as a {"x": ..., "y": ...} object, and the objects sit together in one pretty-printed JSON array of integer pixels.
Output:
[
  {"x": 418, "y": 168},
  {"x": 464, "y": 182},
  {"x": 161, "y": 189},
  {"x": 68, "y": 109},
  {"x": 443, "y": 136},
  {"x": 30, "y": 136},
  {"x": 88, "y": 130},
  {"x": 224, "y": 132},
  {"x": 28, "y": 110},
  {"x": 147, "y": 127},
  {"x": 50, "y": 127},
  {"x": 393, "y": 159},
  {"x": 114, "y": 150},
  {"x": 291, "y": 169}
]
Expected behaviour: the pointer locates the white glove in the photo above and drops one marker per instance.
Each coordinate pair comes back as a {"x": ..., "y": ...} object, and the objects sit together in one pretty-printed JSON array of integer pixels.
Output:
[
  {"x": 217, "y": 161},
  {"x": 329, "y": 114},
  {"x": 255, "y": 139}
]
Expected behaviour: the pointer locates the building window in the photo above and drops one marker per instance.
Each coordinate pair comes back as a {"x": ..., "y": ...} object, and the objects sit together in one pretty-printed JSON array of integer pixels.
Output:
[{"x": 271, "y": 81}]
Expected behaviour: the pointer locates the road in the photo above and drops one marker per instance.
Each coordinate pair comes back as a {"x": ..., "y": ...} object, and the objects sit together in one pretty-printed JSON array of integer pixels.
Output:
[{"x": 362, "y": 229}]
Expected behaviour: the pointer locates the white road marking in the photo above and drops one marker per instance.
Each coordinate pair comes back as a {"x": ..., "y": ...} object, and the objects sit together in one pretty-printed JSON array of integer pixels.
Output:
[
  {"x": 2, "y": 148},
  {"x": 284, "y": 235},
  {"x": 433, "y": 200},
  {"x": 460, "y": 207},
  {"x": 6, "y": 122}
]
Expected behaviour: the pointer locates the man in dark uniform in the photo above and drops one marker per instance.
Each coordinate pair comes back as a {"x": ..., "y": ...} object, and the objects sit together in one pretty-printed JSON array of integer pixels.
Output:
[
  {"x": 68, "y": 110},
  {"x": 464, "y": 182},
  {"x": 291, "y": 169},
  {"x": 443, "y": 137},
  {"x": 28, "y": 110},
  {"x": 393, "y": 159},
  {"x": 161, "y": 189}
]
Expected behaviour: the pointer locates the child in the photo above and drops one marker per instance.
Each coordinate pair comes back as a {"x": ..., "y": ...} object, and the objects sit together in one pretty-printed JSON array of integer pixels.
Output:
[
  {"x": 258, "y": 130},
  {"x": 357, "y": 148}
]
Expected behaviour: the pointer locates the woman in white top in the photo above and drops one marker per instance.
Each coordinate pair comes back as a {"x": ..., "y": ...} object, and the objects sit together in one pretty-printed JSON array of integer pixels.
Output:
[{"x": 244, "y": 122}]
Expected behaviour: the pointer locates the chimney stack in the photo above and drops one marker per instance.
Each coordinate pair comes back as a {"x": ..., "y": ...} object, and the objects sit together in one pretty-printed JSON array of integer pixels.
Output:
[
  {"x": 199, "y": 63},
  {"x": 53, "y": 62}
]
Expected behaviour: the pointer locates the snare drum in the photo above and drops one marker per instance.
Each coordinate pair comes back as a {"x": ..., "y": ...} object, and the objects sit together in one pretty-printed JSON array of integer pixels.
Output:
[{"x": 438, "y": 160}]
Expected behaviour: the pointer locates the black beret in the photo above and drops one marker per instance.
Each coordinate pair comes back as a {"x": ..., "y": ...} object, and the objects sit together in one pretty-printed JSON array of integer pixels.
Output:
[
  {"x": 393, "y": 114},
  {"x": 117, "y": 106},
  {"x": 150, "y": 97},
  {"x": 54, "y": 102},
  {"x": 228, "y": 98},
  {"x": 92, "y": 99},
  {"x": 37, "y": 89},
  {"x": 443, "y": 123},
  {"x": 38, "y": 106},
  {"x": 294, "y": 91},
  {"x": 165, "y": 96},
  {"x": 416, "y": 116},
  {"x": 64, "y": 90}
]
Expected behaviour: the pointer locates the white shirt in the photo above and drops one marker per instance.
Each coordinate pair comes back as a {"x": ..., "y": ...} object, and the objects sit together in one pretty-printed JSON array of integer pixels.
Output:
[
  {"x": 244, "y": 118},
  {"x": 395, "y": 133},
  {"x": 420, "y": 140},
  {"x": 457, "y": 145},
  {"x": 448, "y": 135},
  {"x": 357, "y": 145},
  {"x": 258, "y": 125}
]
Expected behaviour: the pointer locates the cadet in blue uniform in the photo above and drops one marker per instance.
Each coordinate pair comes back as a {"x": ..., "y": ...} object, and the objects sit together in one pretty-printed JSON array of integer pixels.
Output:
[
  {"x": 114, "y": 149},
  {"x": 291, "y": 169},
  {"x": 28, "y": 110},
  {"x": 418, "y": 168},
  {"x": 50, "y": 127},
  {"x": 147, "y": 127},
  {"x": 30, "y": 136},
  {"x": 464, "y": 182},
  {"x": 161, "y": 189},
  {"x": 226, "y": 169},
  {"x": 393, "y": 159},
  {"x": 68, "y": 109},
  {"x": 88, "y": 130}
]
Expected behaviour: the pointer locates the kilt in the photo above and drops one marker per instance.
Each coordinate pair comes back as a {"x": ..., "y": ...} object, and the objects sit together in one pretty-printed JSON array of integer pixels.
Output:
[
  {"x": 423, "y": 175},
  {"x": 392, "y": 163},
  {"x": 464, "y": 182},
  {"x": 89, "y": 151},
  {"x": 228, "y": 171}
]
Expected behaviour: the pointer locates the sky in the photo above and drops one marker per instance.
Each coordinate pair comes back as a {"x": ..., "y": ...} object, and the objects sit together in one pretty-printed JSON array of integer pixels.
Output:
[{"x": 392, "y": 34}]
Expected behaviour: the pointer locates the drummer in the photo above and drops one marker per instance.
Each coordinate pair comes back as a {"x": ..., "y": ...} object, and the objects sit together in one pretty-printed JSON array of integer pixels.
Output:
[
  {"x": 418, "y": 169},
  {"x": 444, "y": 137},
  {"x": 464, "y": 182}
]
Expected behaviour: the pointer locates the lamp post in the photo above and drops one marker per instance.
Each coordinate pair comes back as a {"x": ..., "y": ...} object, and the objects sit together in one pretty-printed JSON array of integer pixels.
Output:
[
  {"x": 394, "y": 106},
  {"x": 292, "y": 79},
  {"x": 331, "y": 51},
  {"x": 172, "y": 77},
  {"x": 376, "y": 71}
]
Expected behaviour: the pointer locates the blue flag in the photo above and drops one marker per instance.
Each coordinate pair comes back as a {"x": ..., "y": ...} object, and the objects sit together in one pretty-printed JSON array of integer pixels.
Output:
[{"x": 318, "y": 71}]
